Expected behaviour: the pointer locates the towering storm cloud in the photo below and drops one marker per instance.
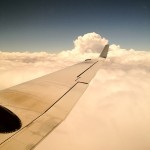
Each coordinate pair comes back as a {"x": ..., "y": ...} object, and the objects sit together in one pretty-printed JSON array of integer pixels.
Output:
[{"x": 114, "y": 112}]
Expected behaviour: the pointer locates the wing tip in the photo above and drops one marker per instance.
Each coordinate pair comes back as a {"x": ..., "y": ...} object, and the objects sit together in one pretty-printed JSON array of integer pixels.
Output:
[{"x": 104, "y": 51}]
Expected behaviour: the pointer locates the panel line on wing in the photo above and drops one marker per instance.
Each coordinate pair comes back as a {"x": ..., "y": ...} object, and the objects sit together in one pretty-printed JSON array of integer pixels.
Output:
[
  {"x": 83, "y": 82},
  {"x": 86, "y": 69}
]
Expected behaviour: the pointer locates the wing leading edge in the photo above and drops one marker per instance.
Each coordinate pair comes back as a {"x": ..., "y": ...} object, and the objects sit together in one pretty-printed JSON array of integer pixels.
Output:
[{"x": 31, "y": 110}]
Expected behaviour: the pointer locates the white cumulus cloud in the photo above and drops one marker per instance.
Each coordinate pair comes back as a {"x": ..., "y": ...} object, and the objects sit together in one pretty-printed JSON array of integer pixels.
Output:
[{"x": 90, "y": 42}]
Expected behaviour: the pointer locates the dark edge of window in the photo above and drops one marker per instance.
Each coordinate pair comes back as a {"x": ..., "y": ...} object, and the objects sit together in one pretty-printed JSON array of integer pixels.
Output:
[{"x": 9, "y": 121}]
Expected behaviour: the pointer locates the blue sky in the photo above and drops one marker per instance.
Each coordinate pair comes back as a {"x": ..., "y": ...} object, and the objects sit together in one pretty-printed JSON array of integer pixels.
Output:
[{"x": 52, "y": 25}]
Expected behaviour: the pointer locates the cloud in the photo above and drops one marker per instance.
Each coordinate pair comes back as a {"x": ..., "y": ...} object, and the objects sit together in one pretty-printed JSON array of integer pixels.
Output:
[
  {"x": 113, "y": 113},
  {"x": 90, "y": 42},
  {"x": 19, "y": 67}
]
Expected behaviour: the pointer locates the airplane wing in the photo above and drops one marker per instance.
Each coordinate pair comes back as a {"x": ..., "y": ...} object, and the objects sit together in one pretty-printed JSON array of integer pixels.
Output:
[{"x": 31, "y": 110}]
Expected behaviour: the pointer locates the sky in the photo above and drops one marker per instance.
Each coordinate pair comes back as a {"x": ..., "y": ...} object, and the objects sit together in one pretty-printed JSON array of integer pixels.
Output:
[
  {"x": 112, "y": 114},
  {"x": 40, "y": 37},
  {"x": 52, "y": 25}
]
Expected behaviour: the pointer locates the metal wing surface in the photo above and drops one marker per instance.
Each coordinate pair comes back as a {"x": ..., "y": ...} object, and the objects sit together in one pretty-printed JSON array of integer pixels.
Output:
[{"x": 31, "y": 110}]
